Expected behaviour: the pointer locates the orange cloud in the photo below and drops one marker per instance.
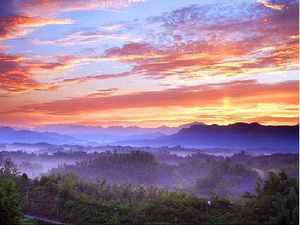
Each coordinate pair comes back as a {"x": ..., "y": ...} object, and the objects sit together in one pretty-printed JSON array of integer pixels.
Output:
[
  {"x": 16, "y": 74},
  {"x": 271, "y": 6},
  {"x": 14, "y": 26},
  {"x": 223, "y": 47},
  {"x": 193, "y": 59},
  {"x": 274, "y": 120},
  {"x": 37, "y": 21},
  {"x": 220, "y": 103},
  {"x": 220, "y": 59},
  {"x": 190, "y": 44},
  {"x": 246, "y": 93}
]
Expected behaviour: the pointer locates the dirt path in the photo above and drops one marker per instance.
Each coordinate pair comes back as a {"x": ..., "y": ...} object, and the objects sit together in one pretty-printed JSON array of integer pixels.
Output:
[{"x": 43, "y": 219}]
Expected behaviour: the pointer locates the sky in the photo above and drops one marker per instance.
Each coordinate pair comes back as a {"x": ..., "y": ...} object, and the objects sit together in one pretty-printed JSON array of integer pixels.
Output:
[{"x": 149, "y": 62}]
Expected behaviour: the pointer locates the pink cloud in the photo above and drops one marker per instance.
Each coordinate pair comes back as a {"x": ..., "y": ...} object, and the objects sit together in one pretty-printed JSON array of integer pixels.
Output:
[
  {"x": 16, "y": 74},
  {"x": 224, "y": 46},
  {"x": 243, "y": 93},
  {"x": 103, "y": 92},
  {"x": 50, "y": 6},
  {"x": 14, "y": 26}
]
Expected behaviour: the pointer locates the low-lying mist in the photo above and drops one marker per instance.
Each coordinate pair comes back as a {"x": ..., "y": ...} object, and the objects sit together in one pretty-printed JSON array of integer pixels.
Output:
[{"x": 224, "y": 172}]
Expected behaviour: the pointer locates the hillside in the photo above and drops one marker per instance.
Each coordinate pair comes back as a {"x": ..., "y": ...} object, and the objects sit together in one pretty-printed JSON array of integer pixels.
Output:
[{"x": 238, "y": 135}]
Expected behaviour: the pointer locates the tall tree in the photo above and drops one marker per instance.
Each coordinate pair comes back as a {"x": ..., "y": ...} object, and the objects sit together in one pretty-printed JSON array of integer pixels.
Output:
[{"x": 10, "y": 204}]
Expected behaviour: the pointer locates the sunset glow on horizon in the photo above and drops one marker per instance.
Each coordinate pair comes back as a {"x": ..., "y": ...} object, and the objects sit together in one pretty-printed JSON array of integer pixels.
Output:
[{"x": 149, "y": 63}]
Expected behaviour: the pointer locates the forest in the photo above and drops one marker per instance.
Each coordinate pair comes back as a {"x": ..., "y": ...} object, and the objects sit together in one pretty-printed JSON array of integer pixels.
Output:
[{"x": 139, "y": 187}]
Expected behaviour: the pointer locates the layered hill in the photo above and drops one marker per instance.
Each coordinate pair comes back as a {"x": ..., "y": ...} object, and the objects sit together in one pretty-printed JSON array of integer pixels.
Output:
[
  {"x": 238, "y": 135},
  {"x": 9, "y": 135}
]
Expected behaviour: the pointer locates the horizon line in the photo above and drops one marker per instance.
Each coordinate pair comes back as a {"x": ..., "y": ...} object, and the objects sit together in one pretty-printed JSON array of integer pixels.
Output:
[{"x": 143, "y": 127}]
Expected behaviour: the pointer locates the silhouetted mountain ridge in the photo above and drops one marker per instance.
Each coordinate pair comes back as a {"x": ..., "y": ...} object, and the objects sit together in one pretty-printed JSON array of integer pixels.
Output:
[
  {"x": 238, "y": 135},
  {"x": 194, "y": 135},
  {"x": 75, "y": 130},
  {"x": 9, "y": 135}
]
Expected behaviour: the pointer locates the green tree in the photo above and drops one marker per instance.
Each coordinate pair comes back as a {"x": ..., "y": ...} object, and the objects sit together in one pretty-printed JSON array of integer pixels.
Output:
[
  {"x": 276, "y": 202},
  {"x": 9, "y": 169},
  {"x": 69, "y": 184},
  {"x": 10, "y": 204}
]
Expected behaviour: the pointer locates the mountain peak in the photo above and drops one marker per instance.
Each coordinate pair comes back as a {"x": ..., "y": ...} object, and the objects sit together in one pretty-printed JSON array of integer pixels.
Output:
[{"x": 237, "y": 135}]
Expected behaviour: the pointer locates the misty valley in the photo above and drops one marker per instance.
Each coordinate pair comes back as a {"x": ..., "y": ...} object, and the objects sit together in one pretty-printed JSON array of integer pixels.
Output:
[
  {"x": 98, "y": 183},
  {"x": 198, "y": 172}
]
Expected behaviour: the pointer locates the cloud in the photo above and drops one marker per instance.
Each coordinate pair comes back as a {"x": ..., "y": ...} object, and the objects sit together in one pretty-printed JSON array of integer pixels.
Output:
[
  {"x": 226, "y": 40},
  {"x": 84, "y": 79},
  {"x": 240, "y": 93},
  {"x": 274, "y": 120},
  {"x": 19, "y": 18},
  {"x": 71, "y": 60},
  {"x": 270, "y": 5},
  {"x": 102, "y": 92},
  {"x": 216, "y": 40},
  {"x": 16, "y": 74},
  {"x": 204, "y": 41},
  {"x": 132, "y": 49},
  {"x": 111, "y": 27},
  {"x": 80, "y": 38},
  {"x": 14, "y": 26},
  {"x": 16, "y": 15},
  {"x": 37, "y": 21},
  {"x": 196, "y": 58},
  {"x": 50, "y": 6}
]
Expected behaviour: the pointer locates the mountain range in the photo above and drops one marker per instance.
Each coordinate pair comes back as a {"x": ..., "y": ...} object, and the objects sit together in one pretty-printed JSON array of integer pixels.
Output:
[
  {"x": 194, "y": 135},
  {"x": 238, "y": 135},
  {"x": 10, "y": 135},
  {"x": 112, "y": 133},
  {"x": 79, "y": 134},
  {"x": 111, "y": 130}
]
